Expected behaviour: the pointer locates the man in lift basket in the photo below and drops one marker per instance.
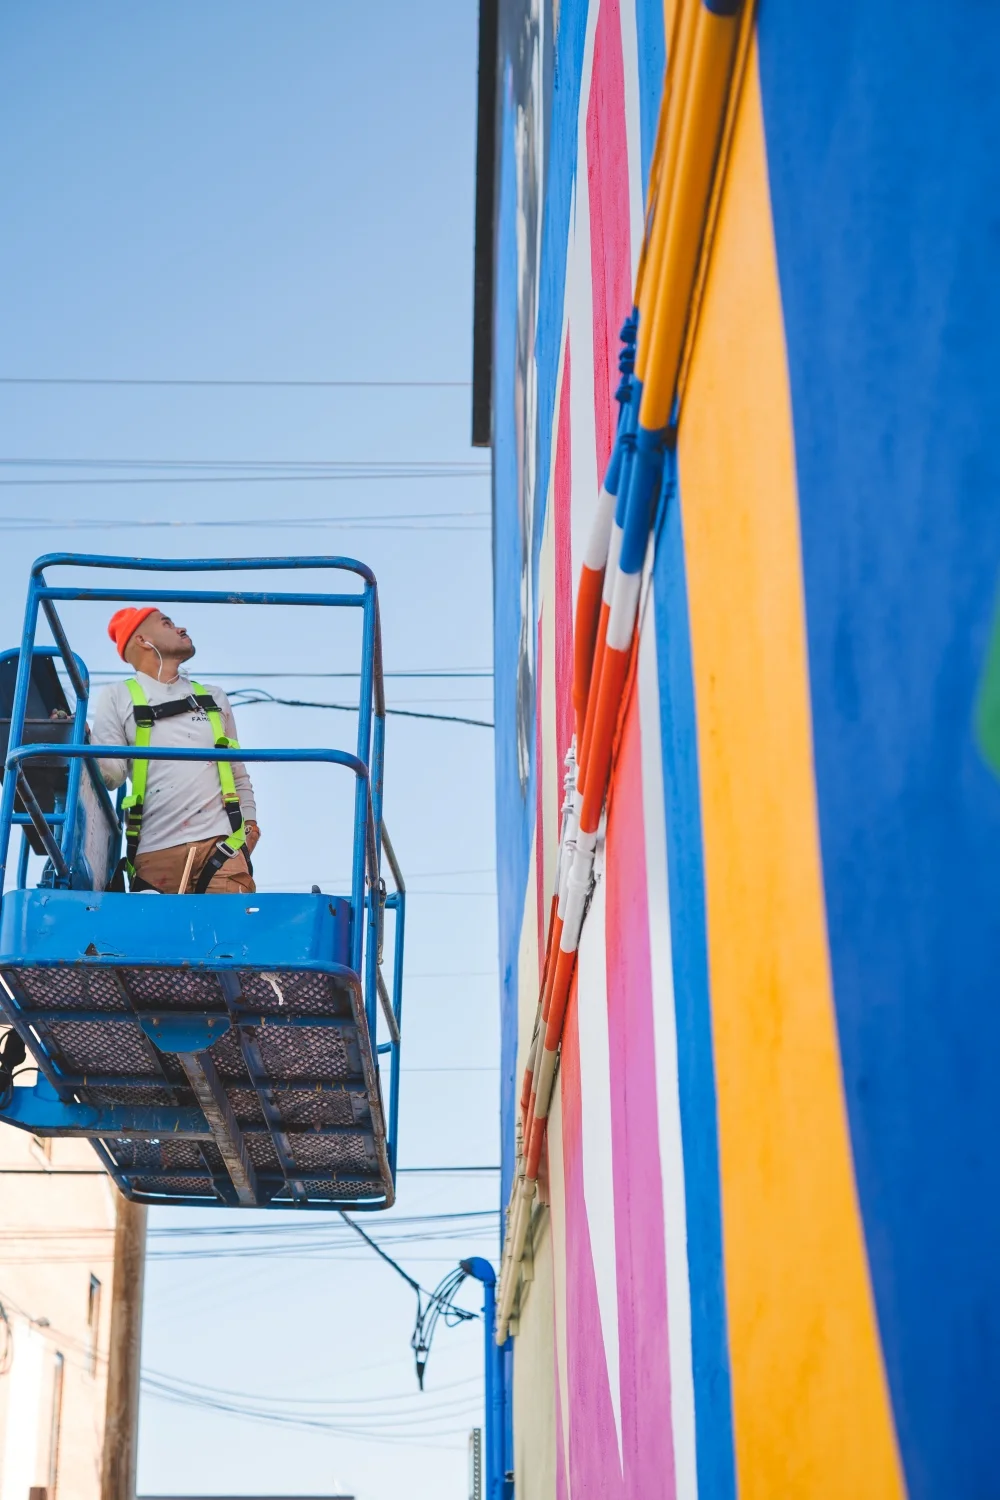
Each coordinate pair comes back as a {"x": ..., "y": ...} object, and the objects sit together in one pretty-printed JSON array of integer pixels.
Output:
[{"x": 190, "y": 825}]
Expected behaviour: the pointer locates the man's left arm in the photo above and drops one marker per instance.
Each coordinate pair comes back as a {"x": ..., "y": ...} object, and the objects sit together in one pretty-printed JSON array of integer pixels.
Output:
[{"x": 248, "y": 805}]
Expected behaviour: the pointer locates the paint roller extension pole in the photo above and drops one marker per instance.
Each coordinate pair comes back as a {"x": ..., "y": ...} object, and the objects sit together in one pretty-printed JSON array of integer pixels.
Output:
[{"x": 661, "y": 334}]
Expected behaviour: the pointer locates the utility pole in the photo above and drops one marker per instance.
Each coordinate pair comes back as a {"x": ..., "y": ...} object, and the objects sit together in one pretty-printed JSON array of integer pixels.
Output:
[{"x": 121, "y": 1422}]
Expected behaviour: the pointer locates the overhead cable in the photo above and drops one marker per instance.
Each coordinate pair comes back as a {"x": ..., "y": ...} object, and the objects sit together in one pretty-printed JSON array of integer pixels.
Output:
[
  {"x": 237, "y": 471},
  {"x": 294, "y": 465},
  {"x": 445, "y": 673},
  {"x": 371, "y": 385},
  {"x": 248, "y": 697},
  {"x": 443, "y": 520},
  {"x": 300, "y": 1229},
  {"x": 101, "y": 1171},
  {"x": 439, "y": 1303}
]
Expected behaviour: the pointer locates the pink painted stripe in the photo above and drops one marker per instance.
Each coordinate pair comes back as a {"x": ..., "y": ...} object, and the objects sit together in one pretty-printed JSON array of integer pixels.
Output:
[
  {"x": 647, "y": 1441},
  {"x": 610, "y": 238},
  {"x": 594, "y": 1468},
  {"x": 539, "y": 801}
]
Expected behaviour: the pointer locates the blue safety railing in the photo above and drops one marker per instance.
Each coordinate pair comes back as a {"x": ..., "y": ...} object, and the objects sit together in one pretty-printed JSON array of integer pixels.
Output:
[{"x": 369, "y": 897}]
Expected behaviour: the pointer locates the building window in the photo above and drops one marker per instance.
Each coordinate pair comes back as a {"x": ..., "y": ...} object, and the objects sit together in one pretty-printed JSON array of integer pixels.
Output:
[
  {"x": 55, "y": 1426},
  {"x": 93, "y": 1321}
]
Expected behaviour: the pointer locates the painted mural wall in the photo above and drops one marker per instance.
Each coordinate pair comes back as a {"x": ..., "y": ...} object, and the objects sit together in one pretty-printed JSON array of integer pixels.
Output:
[{"x": 763, "y": 1257}]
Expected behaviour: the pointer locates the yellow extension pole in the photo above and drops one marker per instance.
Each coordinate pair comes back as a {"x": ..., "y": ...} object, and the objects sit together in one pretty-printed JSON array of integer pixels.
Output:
[
  {"x": 663, "y": 168},
  {"x": 661, "y": 335}
]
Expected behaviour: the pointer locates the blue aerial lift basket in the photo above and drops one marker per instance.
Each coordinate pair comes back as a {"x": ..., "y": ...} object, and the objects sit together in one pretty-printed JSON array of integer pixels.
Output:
[{"x": 215, "y": 1050}]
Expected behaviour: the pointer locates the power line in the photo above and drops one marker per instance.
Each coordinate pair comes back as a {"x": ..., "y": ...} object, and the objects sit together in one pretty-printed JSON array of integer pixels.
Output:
[
  {"x": 440, "y": 1302},
  {"x": 371, "y": 385},
  {"x": 491, "y": 893},
  {"x": 396, "y": 1435},
  {"x": 331, "y": 478},
  {"x": 441, "y": 1171},
  {"x": 445, "y": 520},
  {"x": 444, "y": 673},
  {"x": 291, "y": 1247},
  {"x": 392, "y": 1426},
  {"x": 302, "y": 465},
  {"x": 239, "y": 699},
  {"x": 299, "y": 1230},
  {"x": 456, "y": 1069},
  {"x": 245, "y": 471},
  {"x": 456, "y": 973},
  {"x": 100, "y": 1172},
  {"x": 269, "y": 1400},
  {"x": 53, "y": 1172}
]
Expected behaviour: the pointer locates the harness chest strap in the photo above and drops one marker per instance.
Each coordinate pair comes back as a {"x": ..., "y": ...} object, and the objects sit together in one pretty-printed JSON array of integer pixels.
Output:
[{"x": 146, "y": 715}]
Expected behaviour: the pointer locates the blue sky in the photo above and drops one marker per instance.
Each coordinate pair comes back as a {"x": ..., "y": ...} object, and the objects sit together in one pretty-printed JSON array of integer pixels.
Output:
[{"x": 253, "y": 191}]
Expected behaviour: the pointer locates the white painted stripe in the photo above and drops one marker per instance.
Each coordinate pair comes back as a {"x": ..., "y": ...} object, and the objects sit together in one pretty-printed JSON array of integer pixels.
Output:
[
  {"x": 624, "y": 603},
  {"x": 598, "y": 1165},
  {"x": 549, "y": 770},
  {"x": 633, "y": 131},
  {"x": 665, "y": 1043},
  {"x": 580, "y": 319}
]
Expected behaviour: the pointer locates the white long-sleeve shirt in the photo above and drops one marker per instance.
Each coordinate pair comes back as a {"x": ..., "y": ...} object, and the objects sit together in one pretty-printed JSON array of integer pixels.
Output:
[{"x": 183, "y": 801}]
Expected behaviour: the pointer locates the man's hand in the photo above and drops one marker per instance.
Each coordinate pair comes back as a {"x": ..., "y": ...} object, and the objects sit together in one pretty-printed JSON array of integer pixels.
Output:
[{"x": 253, "y": 835}]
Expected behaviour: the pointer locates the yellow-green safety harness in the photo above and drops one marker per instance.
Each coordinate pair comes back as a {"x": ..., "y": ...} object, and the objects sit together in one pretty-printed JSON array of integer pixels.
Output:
[{"x": 146, "y": 715}]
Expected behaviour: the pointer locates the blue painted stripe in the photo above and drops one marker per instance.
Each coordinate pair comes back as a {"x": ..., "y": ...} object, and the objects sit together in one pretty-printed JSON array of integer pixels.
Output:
[
  {"x": 514, "y": 806},
  {"x": 561, "y": 135},
  {"x": 652, "y": 65},
  {"x": 696, "y": 1071},
  {"x": 881, "y": 122}
]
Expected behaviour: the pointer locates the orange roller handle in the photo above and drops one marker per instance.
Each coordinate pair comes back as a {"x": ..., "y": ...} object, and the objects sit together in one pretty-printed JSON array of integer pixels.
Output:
[
  {"x": 592, "y": 696},
  {"x": 588, "y": 613},
  {"x": 614, "y": 672}
]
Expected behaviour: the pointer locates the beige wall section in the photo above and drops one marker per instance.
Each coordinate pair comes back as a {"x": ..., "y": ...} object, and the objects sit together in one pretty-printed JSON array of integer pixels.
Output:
[
  {"x": 55, "y": 1235},
  {"x": 557, "y": 1257},
  {"x": 534, "y": 1375},
  {"x": 534, "y": 1348}
]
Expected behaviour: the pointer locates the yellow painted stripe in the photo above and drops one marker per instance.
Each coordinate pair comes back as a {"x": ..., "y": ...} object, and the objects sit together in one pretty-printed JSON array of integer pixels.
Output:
[{"x": 811, "y": 1407}]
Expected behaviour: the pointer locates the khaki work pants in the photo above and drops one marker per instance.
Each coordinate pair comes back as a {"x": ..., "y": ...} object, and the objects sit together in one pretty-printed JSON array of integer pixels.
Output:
[{"x": 164, "y": 869}]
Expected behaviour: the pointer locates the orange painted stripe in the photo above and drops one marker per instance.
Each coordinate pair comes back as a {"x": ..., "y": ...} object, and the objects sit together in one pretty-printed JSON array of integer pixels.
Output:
[{"x": 811, "y": 1407}]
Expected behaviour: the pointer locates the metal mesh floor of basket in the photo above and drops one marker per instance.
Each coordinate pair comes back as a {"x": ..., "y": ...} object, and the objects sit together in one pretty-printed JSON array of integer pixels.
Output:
[{"x": 238, "y": 1085}]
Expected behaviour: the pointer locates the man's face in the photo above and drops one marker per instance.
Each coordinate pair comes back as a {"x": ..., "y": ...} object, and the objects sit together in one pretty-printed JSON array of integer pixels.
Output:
[{"x": 169, "y": 639}]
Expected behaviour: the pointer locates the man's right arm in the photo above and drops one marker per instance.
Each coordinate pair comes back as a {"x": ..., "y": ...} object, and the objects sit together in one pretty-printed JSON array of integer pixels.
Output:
[{"x": 109, "y": 729}]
